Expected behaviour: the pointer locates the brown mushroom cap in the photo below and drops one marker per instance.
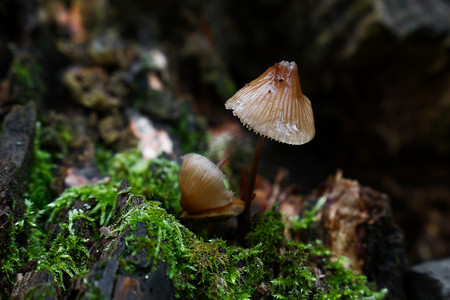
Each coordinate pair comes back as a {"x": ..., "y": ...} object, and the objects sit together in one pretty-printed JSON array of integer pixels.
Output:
[
  {"x": 274, "y": 106},
  {"x": 203, "y": 190}
]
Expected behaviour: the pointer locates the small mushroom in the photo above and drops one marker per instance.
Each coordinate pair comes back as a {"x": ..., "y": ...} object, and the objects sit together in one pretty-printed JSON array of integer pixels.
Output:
[
  {"x": 273, "y": 105},
  {"x": 203, "y": 189}
]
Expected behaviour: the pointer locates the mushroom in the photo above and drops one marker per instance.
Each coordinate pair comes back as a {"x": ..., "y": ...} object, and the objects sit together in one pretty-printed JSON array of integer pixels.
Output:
[
  {"x": 203, "y": 189},
  {"x": 273, "y": 105}
]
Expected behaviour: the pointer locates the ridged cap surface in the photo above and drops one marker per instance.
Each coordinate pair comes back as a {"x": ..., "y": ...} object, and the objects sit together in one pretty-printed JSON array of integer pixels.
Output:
[
  {"x": 274, "y": 106},
  {"x": 202, "y": 185}
]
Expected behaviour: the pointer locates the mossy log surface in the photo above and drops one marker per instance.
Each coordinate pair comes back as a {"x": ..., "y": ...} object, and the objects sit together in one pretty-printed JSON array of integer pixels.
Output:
[
  {"x": 107, "y": 241},
  {"x": 356, "y": 222}
]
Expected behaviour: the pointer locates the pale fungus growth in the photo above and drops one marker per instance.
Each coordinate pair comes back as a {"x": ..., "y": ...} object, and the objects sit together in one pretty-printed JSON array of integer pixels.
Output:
[{"x": 203, "y": 189}]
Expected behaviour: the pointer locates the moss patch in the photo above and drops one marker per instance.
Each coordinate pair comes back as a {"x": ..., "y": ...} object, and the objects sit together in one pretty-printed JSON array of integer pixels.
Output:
[
  {"x": 9, "y": 253},
  {"x": 297, "y": 270},
  {"x": 191, "y": 132},
  {"x": 198, "y": 269},
  {"x": 155, "y": 179},
  {"x": 271, "y": 266},
  {"x": 26, "y": 80},
  {"x": 41, "y": 176}
]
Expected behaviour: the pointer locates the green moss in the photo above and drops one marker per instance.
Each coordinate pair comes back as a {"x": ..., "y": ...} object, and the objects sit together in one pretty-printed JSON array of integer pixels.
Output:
[
  {"x": 62, "y": 137},
  {"x": 41, "y": 176},
  {"x": 102, "y": 159},
  {"x": 68, "y": 253},
  {"x": 212, "y": 269},
  {"x": 57, "y": 134},
  {"x": 191, "y": 132},
  {"x": 308, "y": 271},
  {"x": 42, "y": 291},
  {"x": 296, "y": 279},
  {"x": 156, "y": 179},
  {"x": 166, "y": 239},
  {"x": 297, "y": 224},
  {"x": 26, "y": 80},
  {"x": 198, "y": 269},
  {"x": 38, "y": 196},
  {"x": 29, "y": 226},
  {"x": 267, "y": 234},
  {"x": 104, "y": 195},
  {"x": 23, "y": 74},
  {"x": 93, "y": 292},
  {"x": 64, "y": 133},
  {"x": 304, "y": 270},
  {"x": 9, "y": 253}
]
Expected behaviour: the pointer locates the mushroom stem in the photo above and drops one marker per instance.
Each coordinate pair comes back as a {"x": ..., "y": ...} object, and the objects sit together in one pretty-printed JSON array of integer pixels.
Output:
[
  {"x": 244, "y": 218},
  {"x": 224, "y": 160},
  {"x": 253, "y": 171}
]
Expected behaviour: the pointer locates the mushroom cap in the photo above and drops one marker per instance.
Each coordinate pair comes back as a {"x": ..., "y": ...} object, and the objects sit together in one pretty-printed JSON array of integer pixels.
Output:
[
  {"x": 274, "y": 106},
  {"x": 202, "y": 185},
  {"x": 234, "y": 208}
]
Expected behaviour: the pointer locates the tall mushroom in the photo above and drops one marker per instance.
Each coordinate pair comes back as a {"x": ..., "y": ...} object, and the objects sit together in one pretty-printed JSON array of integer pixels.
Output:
[{"x": 273, "y": 106}]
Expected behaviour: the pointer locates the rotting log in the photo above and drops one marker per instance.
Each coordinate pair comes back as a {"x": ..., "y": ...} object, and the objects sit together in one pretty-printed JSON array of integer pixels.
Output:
[
  {"x": 16, "y": 144},
  {"x": 356, "y": 223},
  {"x": 16, "y": 152},
  {"x": 8, "y": 194}
]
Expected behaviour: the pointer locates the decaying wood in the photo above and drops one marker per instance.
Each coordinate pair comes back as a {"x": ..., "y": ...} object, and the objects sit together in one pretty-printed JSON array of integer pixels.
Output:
[{"x": 356, "y": 223}]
